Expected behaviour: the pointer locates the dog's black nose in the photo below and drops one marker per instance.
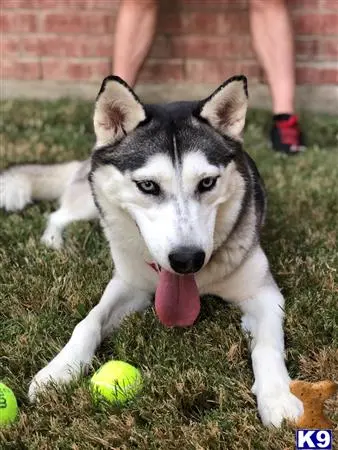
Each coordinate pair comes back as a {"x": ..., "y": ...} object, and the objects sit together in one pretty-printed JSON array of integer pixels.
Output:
[{"x": 186, "y": 259}]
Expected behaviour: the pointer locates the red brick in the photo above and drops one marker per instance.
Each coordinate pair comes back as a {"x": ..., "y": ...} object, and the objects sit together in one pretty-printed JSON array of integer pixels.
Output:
[
  {"x": 74, "y": 4},
  {"x": 9, "y": 46},
  {"x": 201, "y": 71},
  {"x": 31, "y": 4},
  {"x": 329, "y": 4},
  {"x": 162, "y": 48},
  {"x": 329, "y": 24},
  {"x": 68, "y": 46},
  {"x": 200, "y": 22},
  {"x": 162, "y": 71},
  {"x": 12, "y": 69},
  {"x": 199, "y": 40},
  {"x": 85, "y": 70},
  {"x": 89, "y": 23},
  {"x": 304, "y": 5},
  {"x": 110, "y": 5},
  {"x": 328, "y": 49},
  {"x": 218, "y": 5},
  {"x": 189, "y": 22},
  {"x": 15, "y": 22},
  {"x": 236, "y": 23},
  {"x": 62, "y": 4},
  {"x": 211, "y": 47},
  {"x": 170, "y": 23},
  {"x": 314, "y": 75},
  {"x": 11, "y": 4},
  {"x": 306, "y": 49},
  {"x": 322, "y": 24}
]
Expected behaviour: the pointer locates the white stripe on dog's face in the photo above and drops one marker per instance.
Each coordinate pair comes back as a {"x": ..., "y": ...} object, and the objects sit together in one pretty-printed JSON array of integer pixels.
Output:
[{"x": 179, "y": 215}]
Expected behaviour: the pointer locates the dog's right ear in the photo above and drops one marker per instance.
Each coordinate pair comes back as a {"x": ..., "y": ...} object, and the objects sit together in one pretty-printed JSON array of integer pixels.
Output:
[{"x": 117, "y": 111}]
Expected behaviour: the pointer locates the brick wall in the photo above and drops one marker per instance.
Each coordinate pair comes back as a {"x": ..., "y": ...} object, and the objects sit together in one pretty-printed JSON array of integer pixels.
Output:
[{"x": 199, "y": 41}]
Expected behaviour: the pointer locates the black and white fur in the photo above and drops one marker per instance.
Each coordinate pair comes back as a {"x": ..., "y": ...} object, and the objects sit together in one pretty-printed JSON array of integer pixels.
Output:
[{"x": 208, "y": 195}]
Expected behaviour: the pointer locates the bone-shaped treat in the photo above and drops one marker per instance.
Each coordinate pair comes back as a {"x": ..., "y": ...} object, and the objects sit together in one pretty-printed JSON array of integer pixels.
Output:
[{"x": 313, "y": 396}]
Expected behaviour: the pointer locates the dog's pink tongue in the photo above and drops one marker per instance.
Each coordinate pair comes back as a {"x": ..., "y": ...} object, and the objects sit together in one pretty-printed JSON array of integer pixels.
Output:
[{"x": 177, "y": 301}]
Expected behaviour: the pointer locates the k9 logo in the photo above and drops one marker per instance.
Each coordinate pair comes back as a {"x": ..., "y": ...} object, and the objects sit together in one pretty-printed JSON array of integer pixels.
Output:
[{"x": 314, "y": 439}]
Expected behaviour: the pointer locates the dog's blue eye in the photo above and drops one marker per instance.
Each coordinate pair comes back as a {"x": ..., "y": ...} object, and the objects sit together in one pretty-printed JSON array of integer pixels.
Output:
[
  {"x": 148, "y": 187},
  {"x": 206, "y": 184}
]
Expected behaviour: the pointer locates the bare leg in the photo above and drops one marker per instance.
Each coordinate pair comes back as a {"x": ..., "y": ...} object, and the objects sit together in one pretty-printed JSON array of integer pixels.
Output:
[
  {"x": 273, "y": 42},
  {"x": 134, "y": 33}
]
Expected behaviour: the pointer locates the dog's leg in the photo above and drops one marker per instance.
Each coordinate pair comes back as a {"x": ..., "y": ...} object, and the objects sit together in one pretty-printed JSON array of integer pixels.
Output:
[
  {"x": 119, "y": 299},
  {"x": 263, "y": 320},
  {"x": 76, "y": 204}
]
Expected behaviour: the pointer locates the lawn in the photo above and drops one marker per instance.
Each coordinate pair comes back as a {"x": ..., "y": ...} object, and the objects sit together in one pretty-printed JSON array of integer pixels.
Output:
[{"x": 197, "y": 381}]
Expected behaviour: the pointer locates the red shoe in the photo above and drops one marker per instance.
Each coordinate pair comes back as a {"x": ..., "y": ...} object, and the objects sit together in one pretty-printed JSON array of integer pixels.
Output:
[{"x": 286, "y": 135}]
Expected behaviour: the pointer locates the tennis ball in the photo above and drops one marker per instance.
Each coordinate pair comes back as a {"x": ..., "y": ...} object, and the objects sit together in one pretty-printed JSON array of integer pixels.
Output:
[
  {"x": 8, "y": 405},
  {"x": 116, "y": 381}
]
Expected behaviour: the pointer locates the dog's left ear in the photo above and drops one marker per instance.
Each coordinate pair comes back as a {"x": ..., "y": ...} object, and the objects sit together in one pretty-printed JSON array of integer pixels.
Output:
[
  {"x": 118, "y": 111},
  {"x": 225, "y": 109}
]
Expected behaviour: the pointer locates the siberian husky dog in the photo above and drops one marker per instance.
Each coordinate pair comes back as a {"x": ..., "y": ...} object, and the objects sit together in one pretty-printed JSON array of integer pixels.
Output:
[{"x": 181, "y": 205}]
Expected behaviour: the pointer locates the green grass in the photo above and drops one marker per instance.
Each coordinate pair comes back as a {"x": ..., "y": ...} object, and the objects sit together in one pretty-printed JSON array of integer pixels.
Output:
[{"x": 197, "y": 381}]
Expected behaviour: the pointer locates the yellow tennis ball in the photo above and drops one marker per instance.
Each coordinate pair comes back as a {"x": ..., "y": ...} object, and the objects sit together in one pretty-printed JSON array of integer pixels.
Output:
[
  {"x": 8, "y": 405},
  {"x": 116, "y": 381}
]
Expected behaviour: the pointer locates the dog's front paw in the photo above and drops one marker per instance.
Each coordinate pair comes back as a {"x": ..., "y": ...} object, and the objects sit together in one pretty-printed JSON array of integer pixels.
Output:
[
  {"x": 52, "y": 239},
  {"x": 282, "y": 405},
  {"x": 57, "y": 371}
]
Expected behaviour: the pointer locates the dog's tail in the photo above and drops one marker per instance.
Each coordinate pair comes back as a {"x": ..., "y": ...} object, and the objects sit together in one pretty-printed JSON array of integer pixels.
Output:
[{"x": 22, "y": 184}]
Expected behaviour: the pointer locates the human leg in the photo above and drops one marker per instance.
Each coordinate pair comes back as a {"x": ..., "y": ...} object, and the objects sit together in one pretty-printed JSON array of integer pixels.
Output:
[{"x": 134, "y": 33}]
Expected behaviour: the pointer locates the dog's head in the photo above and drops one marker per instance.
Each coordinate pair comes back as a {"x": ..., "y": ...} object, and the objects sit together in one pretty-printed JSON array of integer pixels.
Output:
[{"x": 169, "y": 166}]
